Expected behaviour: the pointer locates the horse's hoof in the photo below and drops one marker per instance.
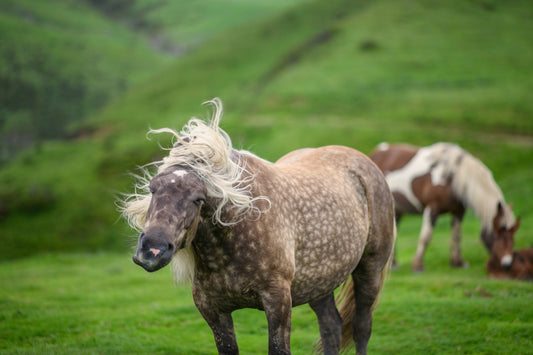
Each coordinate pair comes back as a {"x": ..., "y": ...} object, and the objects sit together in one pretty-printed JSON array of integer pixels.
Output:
[
  {"x": 417, "y": 268},
  {"x": 460, "y": 264},
  {"x": 395, "y": 266}
]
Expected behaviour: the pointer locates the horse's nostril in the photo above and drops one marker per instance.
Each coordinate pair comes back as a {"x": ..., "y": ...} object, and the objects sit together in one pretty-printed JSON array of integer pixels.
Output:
[
  {"x": 142, "y": 241},
  {"x": 170, "y": 246}
]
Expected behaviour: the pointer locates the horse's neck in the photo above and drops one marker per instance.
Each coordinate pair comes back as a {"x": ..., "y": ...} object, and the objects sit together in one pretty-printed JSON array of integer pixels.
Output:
[
  {"x": 208, "y": 236},
  {"x": 474, "y": 185}
]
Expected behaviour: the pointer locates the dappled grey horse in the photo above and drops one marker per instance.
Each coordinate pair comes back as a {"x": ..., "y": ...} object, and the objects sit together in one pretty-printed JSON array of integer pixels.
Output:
[{"x": 253, "y": 234}]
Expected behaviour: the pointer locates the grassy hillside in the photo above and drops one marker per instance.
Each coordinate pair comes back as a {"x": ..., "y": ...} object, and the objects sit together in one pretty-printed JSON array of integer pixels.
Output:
[
  {"x": 63, "y": 60},
  {"x": 59, "y": 62},
  {"x": 323, "y": 73}
]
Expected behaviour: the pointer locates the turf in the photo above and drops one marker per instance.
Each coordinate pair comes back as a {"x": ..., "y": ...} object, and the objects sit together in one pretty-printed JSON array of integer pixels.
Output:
[{"x": 103, "y": 303}]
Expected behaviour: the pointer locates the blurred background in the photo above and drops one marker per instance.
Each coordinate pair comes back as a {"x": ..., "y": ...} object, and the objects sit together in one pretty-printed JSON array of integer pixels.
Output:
[{"x": 82, "y": 81}]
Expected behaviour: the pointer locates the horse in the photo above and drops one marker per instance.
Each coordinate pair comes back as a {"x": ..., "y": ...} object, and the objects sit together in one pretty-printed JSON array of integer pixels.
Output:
[
  {"x": 249, "y": 233},
  {"x": 438, "y": 179},
  {"x": 504, "y": 263}
]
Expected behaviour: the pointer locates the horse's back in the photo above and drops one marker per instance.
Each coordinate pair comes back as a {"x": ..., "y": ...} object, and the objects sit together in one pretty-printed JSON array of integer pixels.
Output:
[
  {"x": 333, "y": 157},
  {"x": 390, "y": 157},
  {"x": 331, "y": 162}
]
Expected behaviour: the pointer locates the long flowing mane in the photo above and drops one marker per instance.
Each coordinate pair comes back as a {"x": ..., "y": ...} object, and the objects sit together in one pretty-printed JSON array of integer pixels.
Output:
[
  {"x": 473, "y": 182},
  {"x": 207, "y": 150}
]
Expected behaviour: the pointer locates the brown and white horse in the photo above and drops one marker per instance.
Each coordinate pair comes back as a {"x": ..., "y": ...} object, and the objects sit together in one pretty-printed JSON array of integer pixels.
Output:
[
  {"x": 504, "y": 262},
  {"x": 253, "y": 234},
  {"x": 442, "y": 178}
]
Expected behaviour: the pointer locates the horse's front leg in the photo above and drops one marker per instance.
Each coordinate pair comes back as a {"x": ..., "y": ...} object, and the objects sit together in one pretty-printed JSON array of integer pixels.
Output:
[
  {"x": 429, "y": 218},
  {"x": 277, "y": 303},
  {"x": 221, "y": 325}
]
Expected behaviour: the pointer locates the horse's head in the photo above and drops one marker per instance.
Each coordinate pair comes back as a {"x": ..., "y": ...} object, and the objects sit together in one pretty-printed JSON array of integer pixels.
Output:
[
  {"x": 172, "y": 217},
  {"x": 504, "y": 239}
]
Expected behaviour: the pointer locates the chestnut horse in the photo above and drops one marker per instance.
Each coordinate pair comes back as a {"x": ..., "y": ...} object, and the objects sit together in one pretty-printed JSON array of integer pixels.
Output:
[
  {"x": 253, "y": 234},
  {"x": 442, "y": 178},
  {"x": 504, "y": 263}
]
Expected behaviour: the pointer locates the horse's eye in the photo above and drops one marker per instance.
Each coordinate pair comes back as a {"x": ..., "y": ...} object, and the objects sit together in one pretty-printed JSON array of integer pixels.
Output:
[
  {"x": 152, "y": 190},
  {"x": 199, "y": 201}
]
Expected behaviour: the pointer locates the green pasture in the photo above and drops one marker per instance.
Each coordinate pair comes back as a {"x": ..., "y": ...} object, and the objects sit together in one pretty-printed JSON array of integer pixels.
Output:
[
  {"x": 291, "y": 75},
  {"x": 104, "y": 304}
]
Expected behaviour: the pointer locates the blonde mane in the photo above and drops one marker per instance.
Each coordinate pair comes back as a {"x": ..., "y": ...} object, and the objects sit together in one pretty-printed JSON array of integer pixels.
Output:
[
  {"x": 474, "y": 183},
  {"x": 207, "y": 150}
]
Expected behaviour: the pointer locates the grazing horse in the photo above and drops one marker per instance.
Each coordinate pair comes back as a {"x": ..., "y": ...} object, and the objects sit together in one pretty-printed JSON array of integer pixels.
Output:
[
  {"x": 253, "y": 234},
  {"x": 442, "y": 178},
  {"x": 504, "y": 263}
]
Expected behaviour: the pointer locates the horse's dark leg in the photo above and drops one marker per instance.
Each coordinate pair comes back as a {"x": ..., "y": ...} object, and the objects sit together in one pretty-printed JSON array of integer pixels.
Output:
[
  {"x": 367, "y": 284},
  {"x": 428, "y": 223},
  {"x": 329, "y": 322},
  {"x": 222, "y": 326},
  {"x": 456, "y": 259},
  {"x": 277, "y": 303}
]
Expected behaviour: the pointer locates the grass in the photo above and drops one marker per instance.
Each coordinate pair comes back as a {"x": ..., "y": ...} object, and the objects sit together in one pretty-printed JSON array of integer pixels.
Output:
[{"x": 103, "y": 303}]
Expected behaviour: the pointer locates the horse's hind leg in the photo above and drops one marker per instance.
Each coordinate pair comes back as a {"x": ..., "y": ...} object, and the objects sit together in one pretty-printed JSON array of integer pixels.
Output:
[
  {"x": 394, "y": 263},
  {"x": 367, "y": 282},
  {"x": 456, "y": 259},
  {"x": 329, "y": 322}
]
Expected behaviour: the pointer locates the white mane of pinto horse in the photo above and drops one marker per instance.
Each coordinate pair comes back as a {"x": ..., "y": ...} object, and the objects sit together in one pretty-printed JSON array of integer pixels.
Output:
[
  {"x": 447, "y": 165},
  {"x": 253, "y": 234}
]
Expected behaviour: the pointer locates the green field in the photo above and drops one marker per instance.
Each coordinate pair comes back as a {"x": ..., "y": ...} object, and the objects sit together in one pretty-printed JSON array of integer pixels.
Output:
[
  {"x": 291, "y": 75},
  {"x": 103, "y": 303}
]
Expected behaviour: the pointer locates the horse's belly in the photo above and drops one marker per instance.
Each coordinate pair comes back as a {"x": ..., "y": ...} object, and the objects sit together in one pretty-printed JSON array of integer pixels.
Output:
[{"x": 321, "y": 275}]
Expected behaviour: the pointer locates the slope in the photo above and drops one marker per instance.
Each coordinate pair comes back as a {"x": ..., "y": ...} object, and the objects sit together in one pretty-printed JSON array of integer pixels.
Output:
[{"x": 335, "y": 72}]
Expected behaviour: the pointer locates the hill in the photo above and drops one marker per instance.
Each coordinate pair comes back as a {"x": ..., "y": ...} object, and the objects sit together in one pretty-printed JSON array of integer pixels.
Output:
[
  {"x": 336, "y": 72},
  {"x": 61, "y": 61}
]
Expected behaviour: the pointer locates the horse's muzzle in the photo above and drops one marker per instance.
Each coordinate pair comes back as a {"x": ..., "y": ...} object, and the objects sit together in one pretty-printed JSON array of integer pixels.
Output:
[
  {"x": 507, "y": 261},
  {"x": 153, "y": 255}
]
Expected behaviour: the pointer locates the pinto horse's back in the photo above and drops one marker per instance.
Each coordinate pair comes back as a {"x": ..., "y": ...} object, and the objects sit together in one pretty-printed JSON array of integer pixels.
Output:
[{"x": 389, "y": 157}]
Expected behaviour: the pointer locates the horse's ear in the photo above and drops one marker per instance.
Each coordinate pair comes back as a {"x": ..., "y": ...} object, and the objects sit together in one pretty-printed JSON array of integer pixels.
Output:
[
  {"x": 497, "y": 217},
  {"x": 495, "y": 224},
  {"x": 517, "y": 224}
]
